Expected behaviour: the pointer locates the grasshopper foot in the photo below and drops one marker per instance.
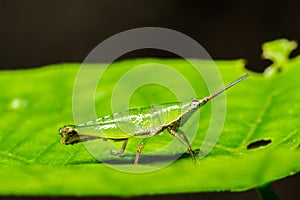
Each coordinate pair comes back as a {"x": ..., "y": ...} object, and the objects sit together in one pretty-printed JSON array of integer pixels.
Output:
[{"x": 115, "y": 153}]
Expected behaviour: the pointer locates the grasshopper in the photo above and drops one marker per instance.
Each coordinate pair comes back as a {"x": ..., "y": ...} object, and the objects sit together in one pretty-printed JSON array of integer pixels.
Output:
[{"x": 140, "y": 122}]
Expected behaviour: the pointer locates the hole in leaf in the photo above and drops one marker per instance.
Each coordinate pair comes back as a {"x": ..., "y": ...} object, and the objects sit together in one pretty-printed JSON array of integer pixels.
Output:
[
  {"x": 258, "y": 65},
  {"x": 258, "y": 144},
  {"x": 295, "y": 53}
]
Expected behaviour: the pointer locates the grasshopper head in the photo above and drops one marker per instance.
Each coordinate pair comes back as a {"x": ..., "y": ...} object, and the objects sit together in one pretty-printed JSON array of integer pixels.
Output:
[{"x": 69, "y": 135}]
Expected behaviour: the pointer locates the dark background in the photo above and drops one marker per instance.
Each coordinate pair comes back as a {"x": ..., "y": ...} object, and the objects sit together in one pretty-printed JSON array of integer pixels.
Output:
[{"x": 35, "y": 33}]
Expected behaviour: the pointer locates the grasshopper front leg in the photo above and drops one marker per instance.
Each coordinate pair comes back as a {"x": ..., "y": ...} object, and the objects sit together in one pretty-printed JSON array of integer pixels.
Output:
[{"x": 184, "y": 140}]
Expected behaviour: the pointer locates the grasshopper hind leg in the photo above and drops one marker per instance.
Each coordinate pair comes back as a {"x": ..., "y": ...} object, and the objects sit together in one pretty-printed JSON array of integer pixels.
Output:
[{"x": 119, "y": 153}]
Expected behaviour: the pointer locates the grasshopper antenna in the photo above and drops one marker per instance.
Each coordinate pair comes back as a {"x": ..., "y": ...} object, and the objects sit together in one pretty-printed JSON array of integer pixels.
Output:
[{"x": 227, "y": 87}]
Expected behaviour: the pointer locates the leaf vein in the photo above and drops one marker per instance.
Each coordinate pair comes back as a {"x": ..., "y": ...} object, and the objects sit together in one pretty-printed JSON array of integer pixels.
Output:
[
  {"x": 259, "y": 120},
  {"x": 16, "y": 157}
]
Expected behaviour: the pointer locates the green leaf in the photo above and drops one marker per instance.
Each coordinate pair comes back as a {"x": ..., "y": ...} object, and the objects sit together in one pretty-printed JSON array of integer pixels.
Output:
[
  {"x": 259, "y": 142},
  {"x": 277, "y": 51}
]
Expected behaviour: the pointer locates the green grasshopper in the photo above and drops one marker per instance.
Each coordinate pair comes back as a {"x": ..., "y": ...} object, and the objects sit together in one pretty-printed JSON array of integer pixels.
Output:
[{"x": 140, "y": 122}]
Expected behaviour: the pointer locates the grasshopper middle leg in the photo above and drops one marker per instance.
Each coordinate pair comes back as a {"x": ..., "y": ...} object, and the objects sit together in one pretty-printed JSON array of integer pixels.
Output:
[{"x": 139, "y": 150}]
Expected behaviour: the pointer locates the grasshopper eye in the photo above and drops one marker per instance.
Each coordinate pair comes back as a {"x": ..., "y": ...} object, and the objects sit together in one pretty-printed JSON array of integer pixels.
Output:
[{"x": 194, "y": 104}]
